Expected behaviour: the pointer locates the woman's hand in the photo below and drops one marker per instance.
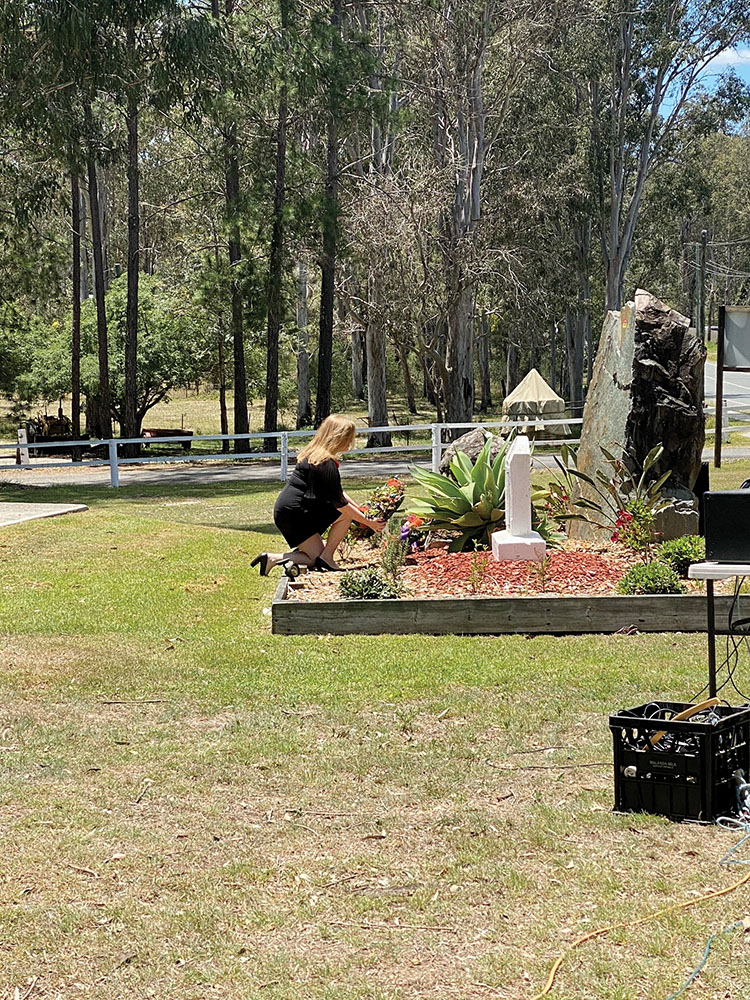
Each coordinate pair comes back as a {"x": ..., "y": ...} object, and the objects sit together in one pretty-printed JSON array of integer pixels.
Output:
[{"x": 377, "y": 526}]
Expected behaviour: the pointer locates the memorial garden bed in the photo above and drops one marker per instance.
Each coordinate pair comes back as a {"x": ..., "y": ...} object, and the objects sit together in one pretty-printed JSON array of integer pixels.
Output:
[{"x": 574, "y": 591}]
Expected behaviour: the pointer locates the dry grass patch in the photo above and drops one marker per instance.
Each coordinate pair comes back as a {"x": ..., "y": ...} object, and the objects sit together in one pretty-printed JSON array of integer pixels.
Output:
[
  {"x": 276, "y": 852},
  {"x": 193, "y": 808}
]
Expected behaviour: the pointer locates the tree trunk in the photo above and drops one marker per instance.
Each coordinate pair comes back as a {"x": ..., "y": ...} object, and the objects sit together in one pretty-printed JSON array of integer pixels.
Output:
[
  {"x": 304, "y": 402},
  {"x": 83, "y": 257},
  {"x": 232, "y": 195},
  {"x": 330, "y": 236},
  {"x": 75, "y": 351},
  {"x": 232, "y": 180},
  {"x": 99, "y": 418},
  {"x": 511, "y": 365},
  {"x": 377, "y": 402},
  {"x": 483, "y": 358},
  {"x": 223, "y": 417},
  {"x": 430, "y": 392},
  {"x": 130, "y": 427},
  {"x": 459, "y": 384},
  {"x": 104, "y": 226},
  {"x": 574, "y": 340},
  {"x": 276, "y": 265},
  {"x": 358, "y": 368},
  {"x": 403, "y": 358}
]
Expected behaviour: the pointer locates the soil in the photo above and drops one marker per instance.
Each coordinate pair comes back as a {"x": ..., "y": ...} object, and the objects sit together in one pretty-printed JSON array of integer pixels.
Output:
[{"x": 577, "y": 569}]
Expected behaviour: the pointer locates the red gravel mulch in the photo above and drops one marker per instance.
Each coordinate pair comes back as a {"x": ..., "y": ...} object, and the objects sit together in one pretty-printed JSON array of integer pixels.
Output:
[
  {"x": 442, "y": 574},
  {"x": 581, "y": 568}
]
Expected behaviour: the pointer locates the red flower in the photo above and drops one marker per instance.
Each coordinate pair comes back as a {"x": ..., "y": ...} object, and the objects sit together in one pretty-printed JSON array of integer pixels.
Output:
[{"x": 615, "y": 536}]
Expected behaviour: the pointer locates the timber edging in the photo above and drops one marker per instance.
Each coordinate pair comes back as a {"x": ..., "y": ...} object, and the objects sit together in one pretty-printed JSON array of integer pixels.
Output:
[{"x": 494, "y": 615}]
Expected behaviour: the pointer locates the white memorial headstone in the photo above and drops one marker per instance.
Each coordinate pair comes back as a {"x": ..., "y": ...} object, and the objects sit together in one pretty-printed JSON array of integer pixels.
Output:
[{"x": 518, "y": 542}]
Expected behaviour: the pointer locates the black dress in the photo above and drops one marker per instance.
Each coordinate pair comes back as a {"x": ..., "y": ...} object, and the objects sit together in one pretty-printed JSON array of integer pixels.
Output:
[{"x": 310, "y": 502}]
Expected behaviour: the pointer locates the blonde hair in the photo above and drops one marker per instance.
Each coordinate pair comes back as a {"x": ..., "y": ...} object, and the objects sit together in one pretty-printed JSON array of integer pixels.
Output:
[{"x": 334, "y": 436}]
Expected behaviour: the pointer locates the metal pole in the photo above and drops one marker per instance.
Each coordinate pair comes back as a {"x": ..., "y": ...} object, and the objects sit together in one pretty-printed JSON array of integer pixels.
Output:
[
  {"x": 114, "y": 471},
  {"x": 719, "y": 386},
  {"x": 284, "y": 456},
  {"x": 711, "y": 639},
  {"x": 701, "y": 303},
  {"x": 724, "y": 421}
]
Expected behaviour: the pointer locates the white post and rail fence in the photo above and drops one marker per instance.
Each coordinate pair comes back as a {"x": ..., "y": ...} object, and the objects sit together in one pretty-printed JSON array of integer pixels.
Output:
[{"x": 436, "y": 437}]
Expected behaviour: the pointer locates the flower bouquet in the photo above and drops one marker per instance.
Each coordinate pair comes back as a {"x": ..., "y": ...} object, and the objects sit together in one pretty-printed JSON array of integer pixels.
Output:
[
  {"x": 412, "y": 533},
  {"x": 381, "y": 506}
]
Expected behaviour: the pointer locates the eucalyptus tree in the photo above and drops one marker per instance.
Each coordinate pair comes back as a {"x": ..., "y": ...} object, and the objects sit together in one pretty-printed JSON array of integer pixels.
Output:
[
  {"x": 163, "y": 45},
  {"x": 226, "y": 113},
  {"x": 50, "y": 73},
  {"x": 330, "y": 208},
  {"x": 645, "y": 61},
  {"x": 476, "y": 57}
]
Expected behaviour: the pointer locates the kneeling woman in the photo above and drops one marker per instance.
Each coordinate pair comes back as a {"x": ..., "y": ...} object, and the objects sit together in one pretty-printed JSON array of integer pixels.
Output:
[{"x": 313, "y": 501}]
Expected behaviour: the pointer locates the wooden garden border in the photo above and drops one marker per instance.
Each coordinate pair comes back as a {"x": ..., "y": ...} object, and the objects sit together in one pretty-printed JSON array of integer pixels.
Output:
[{"x": 493, "y": 615}]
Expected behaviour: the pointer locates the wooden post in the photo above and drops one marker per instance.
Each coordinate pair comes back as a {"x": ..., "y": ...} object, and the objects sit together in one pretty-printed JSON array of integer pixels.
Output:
[{"x": 719, "y": 386}]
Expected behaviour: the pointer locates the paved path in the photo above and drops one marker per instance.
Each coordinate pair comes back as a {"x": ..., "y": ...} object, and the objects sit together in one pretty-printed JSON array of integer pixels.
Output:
[
  {"x": 16, "y": 513},
  {"x": 178, "y": 474},
  {"x": 735, "y": 383},
  {"x": 207, "y": 473}
]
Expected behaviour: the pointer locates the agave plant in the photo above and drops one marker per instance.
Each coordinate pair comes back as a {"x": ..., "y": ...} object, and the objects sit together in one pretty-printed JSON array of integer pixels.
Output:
[{"x": 472, "y": 503}]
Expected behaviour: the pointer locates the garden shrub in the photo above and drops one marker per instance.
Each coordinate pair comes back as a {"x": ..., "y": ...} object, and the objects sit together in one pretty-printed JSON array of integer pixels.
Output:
[
  {"x": 393, "y": 553},
  {"x": 651, "y": 578},
  {"x": 367, "y": 585},
  {"x": 615, "y": 502},
  {"x": 680, "y": 552}
]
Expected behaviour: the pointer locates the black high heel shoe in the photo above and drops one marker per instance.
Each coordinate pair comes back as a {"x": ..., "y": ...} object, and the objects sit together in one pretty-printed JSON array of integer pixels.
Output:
[
  {"x": 323, "y": 567},
  {"x": 262, "y": 561}
]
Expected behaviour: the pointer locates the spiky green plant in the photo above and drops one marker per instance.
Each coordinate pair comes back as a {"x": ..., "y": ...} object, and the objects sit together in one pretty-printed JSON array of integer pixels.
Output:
[{"x": 472, "y": 503}]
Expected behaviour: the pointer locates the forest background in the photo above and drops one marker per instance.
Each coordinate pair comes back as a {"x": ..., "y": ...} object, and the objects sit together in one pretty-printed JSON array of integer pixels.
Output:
[{"x": 315, "y": 202}]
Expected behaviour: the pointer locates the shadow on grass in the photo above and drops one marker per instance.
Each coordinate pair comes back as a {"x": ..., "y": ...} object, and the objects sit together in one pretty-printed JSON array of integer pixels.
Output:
[{"x": 94, "y": 496}]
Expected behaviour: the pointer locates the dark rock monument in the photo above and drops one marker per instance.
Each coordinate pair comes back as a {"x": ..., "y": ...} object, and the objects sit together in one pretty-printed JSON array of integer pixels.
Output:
[
  {"x": 666, "y": 394},
  {"x": 647, "y": 390}
]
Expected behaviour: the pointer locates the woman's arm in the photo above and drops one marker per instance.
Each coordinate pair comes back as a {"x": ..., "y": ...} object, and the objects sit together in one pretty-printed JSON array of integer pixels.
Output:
[{"x": 356, "y": 515}]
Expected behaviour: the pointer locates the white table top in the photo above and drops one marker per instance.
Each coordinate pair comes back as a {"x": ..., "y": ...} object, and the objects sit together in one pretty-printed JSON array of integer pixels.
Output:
[{"x": 717, "y": 571}]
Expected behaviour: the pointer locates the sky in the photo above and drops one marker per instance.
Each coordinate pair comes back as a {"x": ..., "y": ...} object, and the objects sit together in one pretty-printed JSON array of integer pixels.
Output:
[{"x": 737, "y": 59}]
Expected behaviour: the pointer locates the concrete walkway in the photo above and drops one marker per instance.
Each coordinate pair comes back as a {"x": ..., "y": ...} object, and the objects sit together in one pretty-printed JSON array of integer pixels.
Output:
[
  {"x": 207, "y": 473},
  {"x": 16, "y": 513},
  {"x": 199, "y": 473}
]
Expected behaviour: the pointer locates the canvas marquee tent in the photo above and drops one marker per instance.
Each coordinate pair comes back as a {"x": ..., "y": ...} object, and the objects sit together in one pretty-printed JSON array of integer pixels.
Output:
[{"x": 535, "y": 399}]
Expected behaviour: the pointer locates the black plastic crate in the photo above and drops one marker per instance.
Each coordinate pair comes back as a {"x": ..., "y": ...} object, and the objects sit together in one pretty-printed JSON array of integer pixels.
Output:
[{"x": 686, "y": 775}]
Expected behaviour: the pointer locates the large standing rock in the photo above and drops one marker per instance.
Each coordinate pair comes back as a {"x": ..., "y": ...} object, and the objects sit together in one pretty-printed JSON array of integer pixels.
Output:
[
  {"x": 647, "y": 390},
  {"x": 605, "y": 413},
  {"x": 666, "y": 398},
  {"x": 470, "y": 444}
]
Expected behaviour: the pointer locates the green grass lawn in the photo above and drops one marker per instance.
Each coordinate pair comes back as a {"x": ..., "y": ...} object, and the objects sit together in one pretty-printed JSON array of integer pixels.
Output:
[{"x": 194, "y": 808}]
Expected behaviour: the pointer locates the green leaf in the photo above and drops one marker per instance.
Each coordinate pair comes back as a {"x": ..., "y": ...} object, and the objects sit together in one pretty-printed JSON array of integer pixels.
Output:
[
  {"x": 457, "y": 545},
  {"x": 461, "y": 468},
  {"x": 434, "y": 481},
  {"x": 582, "y": 476},
  {"x": 653, "y": 457},
  {"x": 472, "y": 519}
]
